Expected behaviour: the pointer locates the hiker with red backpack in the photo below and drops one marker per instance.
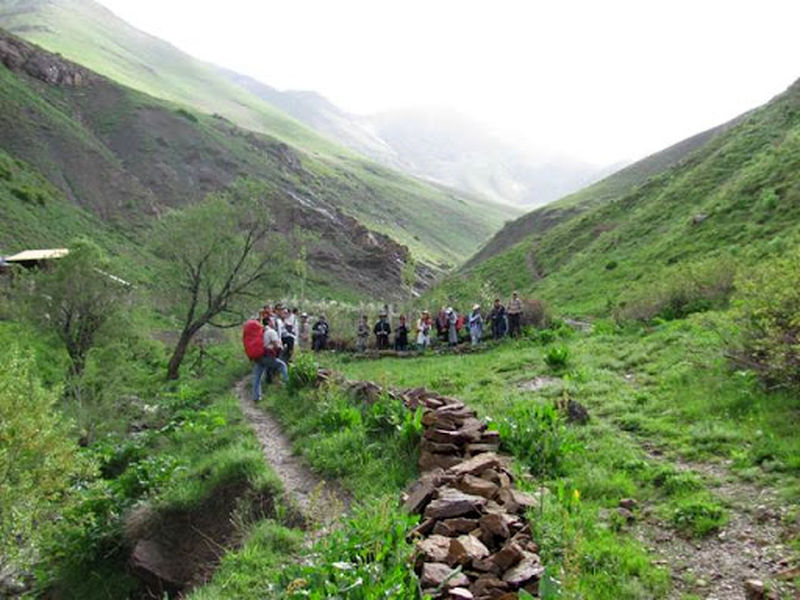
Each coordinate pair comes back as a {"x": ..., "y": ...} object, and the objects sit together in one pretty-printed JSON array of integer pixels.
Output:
[{"x": 262, "y": 344}]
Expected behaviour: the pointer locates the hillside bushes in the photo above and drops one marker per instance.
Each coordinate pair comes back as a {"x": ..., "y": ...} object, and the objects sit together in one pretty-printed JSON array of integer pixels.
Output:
[
  {"x": 692, "y": 288},
  {"x": 768, "y": 307}
]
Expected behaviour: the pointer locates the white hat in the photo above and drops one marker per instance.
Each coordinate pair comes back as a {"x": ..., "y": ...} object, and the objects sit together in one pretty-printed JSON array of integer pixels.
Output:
[{"x": 476, "y": 307}]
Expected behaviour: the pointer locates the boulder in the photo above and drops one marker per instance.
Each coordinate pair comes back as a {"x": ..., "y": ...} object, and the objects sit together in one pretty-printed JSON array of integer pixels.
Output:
[
  {"x": 420, "y": 495},
  {"x": 464, "y": 549},
  {"x": 436, "y": 574},
  {"x": 459, "y": 593},
  {"x": 528, "y": 569},
  {"x": 493, "y": 525},
  {"x": 455, "y": 526},
  {"x": 478, "y": 486},
  {"x": 476, "y": 464},
  {"x": 429, "y": 461},
  {"x": 508, "y": 556},
  {"x": 453, "y": 503},
  {"x": 488, "y": 586},
  {"x": 434, "y": 548}
]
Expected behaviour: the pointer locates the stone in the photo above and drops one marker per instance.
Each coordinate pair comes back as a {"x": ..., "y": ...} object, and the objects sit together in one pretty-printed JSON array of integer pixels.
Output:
[
  {"x": 628, "y": 503},
  {"x": 444, "y": 436},
  {"x": 626, "y": 514},
  {"x": 529, "y": 568},
  {"x": 438, "y": 447},
  {"x": 434, "y": 548},
  {"x": 424, "y": 528},
  {"x": 475, "y": 485},
  {"x": 429, "y": 461},
  {"x": 508, "y": 556},
  {"x": 479, "y": 448},
  {"x": 493, "y": 525},
  {"x": 487, "y": 565},
  {"x": 460, "y": 525},
  {"x": 420, "y": 495},
  {"x": 464, "y": 549},
  {"x": 460, "y": 593},
  {"x": 476, "y": 464},
  {"x": 488, "y": 586},
  {"x": 754, "y": 589},
  {"x": 453, "y": 503},
  {"x": 490, "y": 437},
  {"x": 435, "y": 574}
]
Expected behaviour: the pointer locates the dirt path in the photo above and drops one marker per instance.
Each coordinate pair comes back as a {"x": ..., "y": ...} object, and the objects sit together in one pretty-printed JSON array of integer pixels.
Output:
[
  {"x": 318, "y": 500},
  {"x": 751, "y": 546}
]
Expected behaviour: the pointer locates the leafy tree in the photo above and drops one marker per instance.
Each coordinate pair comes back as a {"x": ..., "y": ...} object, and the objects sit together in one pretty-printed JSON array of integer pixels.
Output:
[
  {"x": 38, "y": 458},
  {"x": 768, "y": 302},
  {"x": 218, "y": 257},
  {"x": 75, "y": 298}
]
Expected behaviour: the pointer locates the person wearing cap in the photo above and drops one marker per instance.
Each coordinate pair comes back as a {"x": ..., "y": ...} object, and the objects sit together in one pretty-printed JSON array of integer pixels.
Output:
[
  {"x": 382, "y": 330},
  {"x": 475, "y": 323},
  {"x": 424, "y": 330},
  {"x": 514, "y": 315},
  {"x": 320, "y": 334}
]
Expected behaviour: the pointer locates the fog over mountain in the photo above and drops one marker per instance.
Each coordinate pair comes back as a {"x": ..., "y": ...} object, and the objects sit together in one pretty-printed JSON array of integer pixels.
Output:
[{"x": 438, "y": 144}]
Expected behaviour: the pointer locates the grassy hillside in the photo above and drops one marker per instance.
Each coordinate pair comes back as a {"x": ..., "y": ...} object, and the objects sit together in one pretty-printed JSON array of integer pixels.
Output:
[
  {"x": 613, "y": 186},
  {"x": 736, "y": 199},
  {"x": 399, "y": 206},
  {"x": 124, "y": 157}
]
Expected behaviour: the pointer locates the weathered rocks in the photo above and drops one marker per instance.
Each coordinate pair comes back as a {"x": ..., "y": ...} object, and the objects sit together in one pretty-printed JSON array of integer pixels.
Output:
[
  {"x": 453, "y": 503},
  {"x": 433, "y": 575}
]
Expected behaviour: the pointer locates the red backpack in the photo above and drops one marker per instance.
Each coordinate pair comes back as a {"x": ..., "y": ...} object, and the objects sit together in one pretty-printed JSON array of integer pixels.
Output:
[{"x": 253, "y": 339}]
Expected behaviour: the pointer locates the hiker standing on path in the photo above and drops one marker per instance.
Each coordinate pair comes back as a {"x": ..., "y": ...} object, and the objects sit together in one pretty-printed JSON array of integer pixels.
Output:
[
  {"x": 498, "y": 318},
  {"x": 424, "y": 331},
  {"x": 382, "y": 331},
  {"x": 269, "y": 361},
  {"x": 401, "y": 335},
  {"x": 514, "y": 315},
  {"x": 452, "y": 330},
  {"x": 319, "y": 338},
  {"x": 475, "y": 323},
  {"x": 304, "y": 341},
  {"x": 362, "y": 334},
  {"x": 288, "y": 322}
]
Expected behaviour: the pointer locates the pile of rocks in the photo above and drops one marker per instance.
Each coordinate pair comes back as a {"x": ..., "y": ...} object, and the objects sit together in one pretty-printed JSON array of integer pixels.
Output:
[{"x": 473, "y": 540}]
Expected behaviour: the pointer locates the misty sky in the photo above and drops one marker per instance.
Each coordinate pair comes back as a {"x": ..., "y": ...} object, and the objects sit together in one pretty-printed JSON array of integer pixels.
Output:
[{"x": 600, "y": 81}]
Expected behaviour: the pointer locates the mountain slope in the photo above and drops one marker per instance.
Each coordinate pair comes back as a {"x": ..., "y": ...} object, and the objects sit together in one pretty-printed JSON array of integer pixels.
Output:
[
  {"x": 121, "y": 157},
  {"x": 734, "y": 200},
  {"x": 618, "y": 184}
]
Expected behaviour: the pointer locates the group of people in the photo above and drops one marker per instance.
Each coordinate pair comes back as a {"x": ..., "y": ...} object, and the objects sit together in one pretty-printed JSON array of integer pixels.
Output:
[
  {"x": 271, "y": 339},
  {"x": 448, "y": 325}
]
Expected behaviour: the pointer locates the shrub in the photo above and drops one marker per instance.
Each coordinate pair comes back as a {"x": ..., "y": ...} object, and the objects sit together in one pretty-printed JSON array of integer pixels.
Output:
[
  {"x": 768, "y": 307},
  {"x": 557, "y": 357},
  {"x": 698, "y": 517},
  {"x": 537, "y": 436},
  {"x": 303, "y": 371},
  {"x": 687, "y": 289}
]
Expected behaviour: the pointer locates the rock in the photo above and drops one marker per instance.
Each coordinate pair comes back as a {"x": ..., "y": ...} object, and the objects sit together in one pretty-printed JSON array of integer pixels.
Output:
[
  {"x": 436, "y": 574},
  {"x": 626, "y": 514},
  {"x": 754, "y": 589},
  {"x": 420, "y": 495},
  {"x": 493, "y": 525},
  {"x": 424, "y": 528},
  {"x": 429, "y": 461},
  {"x": 479, "y": 448},
  {"x": 576, "y": 412},
  {"x": 476, "y": 464},
  {"x": 434, "y": 548},
  {"x": 487, "y": 565},
  {"x": 699, "y": 218},
  {"x": 444, "y": 436},
  {"x": 508, "y": 556},
  {"x": 528, "y": 569},
  {"x": 460, "y": 593},
  {"x": 453, "y": 503},
  {"x": 628, "y": 503},
  {"x": 490, "y": 437},
  {"x": 438, "y": 447},
  {"x": 464, "y": 549},
  {"x": 515, "y": 501},
  {"x": 458, "y": 525},
  {"x": 488, "y": 586},
  {"x": 478, "y": 486}
]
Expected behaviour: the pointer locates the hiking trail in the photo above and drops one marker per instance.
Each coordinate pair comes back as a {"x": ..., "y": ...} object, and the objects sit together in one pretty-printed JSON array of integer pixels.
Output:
[{"x": 318, "y": 500}]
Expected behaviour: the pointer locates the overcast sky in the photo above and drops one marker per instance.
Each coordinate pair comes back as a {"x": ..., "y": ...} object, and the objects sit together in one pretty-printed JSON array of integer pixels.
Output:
[{"x": 598, "y": 80}]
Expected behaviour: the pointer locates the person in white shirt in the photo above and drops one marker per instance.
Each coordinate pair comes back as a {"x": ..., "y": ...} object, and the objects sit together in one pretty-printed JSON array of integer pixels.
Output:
[{"x": 270, "y": 362}]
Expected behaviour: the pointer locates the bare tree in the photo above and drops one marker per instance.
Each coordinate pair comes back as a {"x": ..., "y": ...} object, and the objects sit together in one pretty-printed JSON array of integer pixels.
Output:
[{"x": 217, "y": 256}]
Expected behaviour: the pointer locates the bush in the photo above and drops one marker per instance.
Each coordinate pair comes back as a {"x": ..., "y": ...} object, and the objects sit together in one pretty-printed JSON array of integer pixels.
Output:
[
  {"x": 688, "y": 289},
  {"x": 768, "y": 307},
  {"x": 303, "y": 371},
  {"x": 557, "y": 357},
  {"x": 537, "y": 436}
]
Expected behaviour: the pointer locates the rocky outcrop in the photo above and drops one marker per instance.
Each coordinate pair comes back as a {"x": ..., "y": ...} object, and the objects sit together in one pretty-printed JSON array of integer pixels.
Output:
[
  {"x": 50, "y": 68},
  {"x": 473, "y": 540}
]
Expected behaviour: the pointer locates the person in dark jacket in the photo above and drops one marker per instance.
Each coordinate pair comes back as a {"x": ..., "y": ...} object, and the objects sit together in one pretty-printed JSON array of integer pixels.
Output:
[
  {"x": 319, "y": 335},
  {"x": 382, "y": 331},
  {"x": 401, "y": 335},
  {"x": 498, "y": 318}
]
